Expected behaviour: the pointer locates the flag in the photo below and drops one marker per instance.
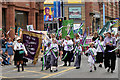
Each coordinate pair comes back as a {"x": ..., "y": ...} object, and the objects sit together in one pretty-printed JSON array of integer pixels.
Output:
[
  {"x": 84, "y": 37},
  {"x": 105, "y": 28},
  {"x": 80, "y": 28},
  {"x": 67, "y": 28},
  {"x": 71, "y": 33},
  {"x": 64, "y": 32},
  {"x": 57, "y": 33}
]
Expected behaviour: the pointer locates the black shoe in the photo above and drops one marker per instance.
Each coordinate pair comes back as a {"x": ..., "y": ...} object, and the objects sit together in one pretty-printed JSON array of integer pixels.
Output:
[
  {"x": 111, "y": 71},
  {"x": 100, "y": 65},
  {"x": 51, "y": 71},
  {"x": 69, "y": 64},
  {"x": 65, "y": 65},
  {"x": 47, "y": 68},
  {"x": 90, "y": 70},
  {"x": 95, "y": 68},
  {"x": 56, "y": 70},
  {"x": 108, "y": 70},
  {"x": 22, "y": 67},
  {"x": 18, "y": 68},
  {"x": 77, "y": 67}
]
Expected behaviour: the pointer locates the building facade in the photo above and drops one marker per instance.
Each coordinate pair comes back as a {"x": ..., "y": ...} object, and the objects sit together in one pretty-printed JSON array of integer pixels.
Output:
[
  {"x": 94, "y": 13},
  {"x": 20, "y": 14}
]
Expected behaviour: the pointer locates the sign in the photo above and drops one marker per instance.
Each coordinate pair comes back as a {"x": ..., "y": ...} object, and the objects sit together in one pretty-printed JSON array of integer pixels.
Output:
[
  {"x": 32, "y": 42},
  {"x": 74, "y": 12},
  {"x": 57, "y": 11},
  {"x": 30, "y": 27},
  {"x": 48, "y": 13},
  {"x": 76, "y": 26}
]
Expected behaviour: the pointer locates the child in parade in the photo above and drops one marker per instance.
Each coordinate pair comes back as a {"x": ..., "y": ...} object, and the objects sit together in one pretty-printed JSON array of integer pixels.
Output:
[
  {"x": 100, "y": 50},
  {"x": 54, "y": 56},
  {"x": 19, "y": 52},
  {"x": 91, "y": 56},
  {"x": 68, "y": 50},
  {"x": 78, "y": 50}
]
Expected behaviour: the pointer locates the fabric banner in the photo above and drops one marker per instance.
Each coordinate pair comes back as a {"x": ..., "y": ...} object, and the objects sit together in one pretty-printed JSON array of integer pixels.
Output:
[
  {"x": 32, "y": 42},
  {"x": 67, "y": 28}
]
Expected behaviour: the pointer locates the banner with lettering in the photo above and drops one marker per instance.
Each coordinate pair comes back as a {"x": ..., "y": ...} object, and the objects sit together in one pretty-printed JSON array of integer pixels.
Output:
[{"x": 32, "y": 42}]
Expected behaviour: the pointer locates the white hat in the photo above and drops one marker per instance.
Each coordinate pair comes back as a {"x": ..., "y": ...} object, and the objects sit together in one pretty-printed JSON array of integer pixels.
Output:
[{"x": 18, "y": 38}]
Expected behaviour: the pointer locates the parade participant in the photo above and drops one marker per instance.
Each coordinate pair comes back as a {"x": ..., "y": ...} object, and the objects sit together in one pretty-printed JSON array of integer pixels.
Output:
[
  {"x": 110, "y": 57},
  {"x": 76, "y": 40},
  {"x": 19, "y": 52},
  {"x": 91, "y": 56},
  {"x": 59, "y": 42},
  {"x": 78, "y": 51},
  {"x": 100, "y": 50},
  {"x": 9, "y": 46},
  {"x": 54, "y": 56},
  {"x": 95, "y": 36},
  {"x": 48, "y": 56},
  {"x": 68, "y": 50}
]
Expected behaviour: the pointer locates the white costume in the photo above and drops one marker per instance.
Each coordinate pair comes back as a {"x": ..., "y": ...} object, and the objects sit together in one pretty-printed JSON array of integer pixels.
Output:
[{"x": 90, "y": 58}]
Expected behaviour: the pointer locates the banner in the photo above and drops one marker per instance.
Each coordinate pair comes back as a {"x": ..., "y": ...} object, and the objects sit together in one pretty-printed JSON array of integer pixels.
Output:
[
  {"x": 57, "y": 11},
  {"x": 32, "y": 42},
  {"x": 48, "y": 13},
  {"x": 67, "y": 28}
]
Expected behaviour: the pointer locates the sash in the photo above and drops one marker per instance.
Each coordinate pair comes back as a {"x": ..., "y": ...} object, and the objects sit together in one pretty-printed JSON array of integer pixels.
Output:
[
  {"x": 114, "y": 49},
  {"x": 101, "y": 47},
  {"x": 92, "y": 53},
  {"x": 64, "y": 56},
  {"x": 43, "y": 63}
]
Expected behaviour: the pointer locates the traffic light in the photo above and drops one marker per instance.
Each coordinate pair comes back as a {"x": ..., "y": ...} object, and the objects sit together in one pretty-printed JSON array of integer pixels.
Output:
[{"x": 60, "y": 22}]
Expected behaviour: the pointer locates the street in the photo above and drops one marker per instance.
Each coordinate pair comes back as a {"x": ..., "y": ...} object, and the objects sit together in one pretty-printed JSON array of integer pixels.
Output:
[{"x": 32, "y": 71}]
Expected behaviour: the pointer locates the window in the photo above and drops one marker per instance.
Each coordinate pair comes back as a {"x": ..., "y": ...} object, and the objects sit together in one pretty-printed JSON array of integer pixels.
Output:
[{"x": 21, "y": 19}]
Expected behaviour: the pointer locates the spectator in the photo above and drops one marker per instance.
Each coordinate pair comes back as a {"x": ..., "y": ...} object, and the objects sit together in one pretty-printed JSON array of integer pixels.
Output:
[
  {"x": 6, "y": 58},
  {"x": 9, "y": 46}
]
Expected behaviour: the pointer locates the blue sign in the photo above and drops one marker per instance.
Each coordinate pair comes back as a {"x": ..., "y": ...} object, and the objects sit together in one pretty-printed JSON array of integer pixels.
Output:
[{"x": 57, "y": 11}]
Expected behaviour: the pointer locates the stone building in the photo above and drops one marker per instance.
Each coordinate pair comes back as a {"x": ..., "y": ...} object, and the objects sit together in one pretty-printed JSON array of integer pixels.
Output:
[{"x": 20, "y": 14}]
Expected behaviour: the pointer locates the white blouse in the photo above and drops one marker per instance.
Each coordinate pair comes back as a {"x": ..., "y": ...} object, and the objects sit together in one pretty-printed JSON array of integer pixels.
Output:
[
  {"x": 20, "y": 46},
  {"x": 68, "y": 45}
]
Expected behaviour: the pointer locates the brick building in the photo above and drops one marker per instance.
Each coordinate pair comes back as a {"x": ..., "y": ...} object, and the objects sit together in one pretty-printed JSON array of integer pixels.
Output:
[
  {"x": 20, "y": 14},
  {"x": 94, "y": 13}
]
